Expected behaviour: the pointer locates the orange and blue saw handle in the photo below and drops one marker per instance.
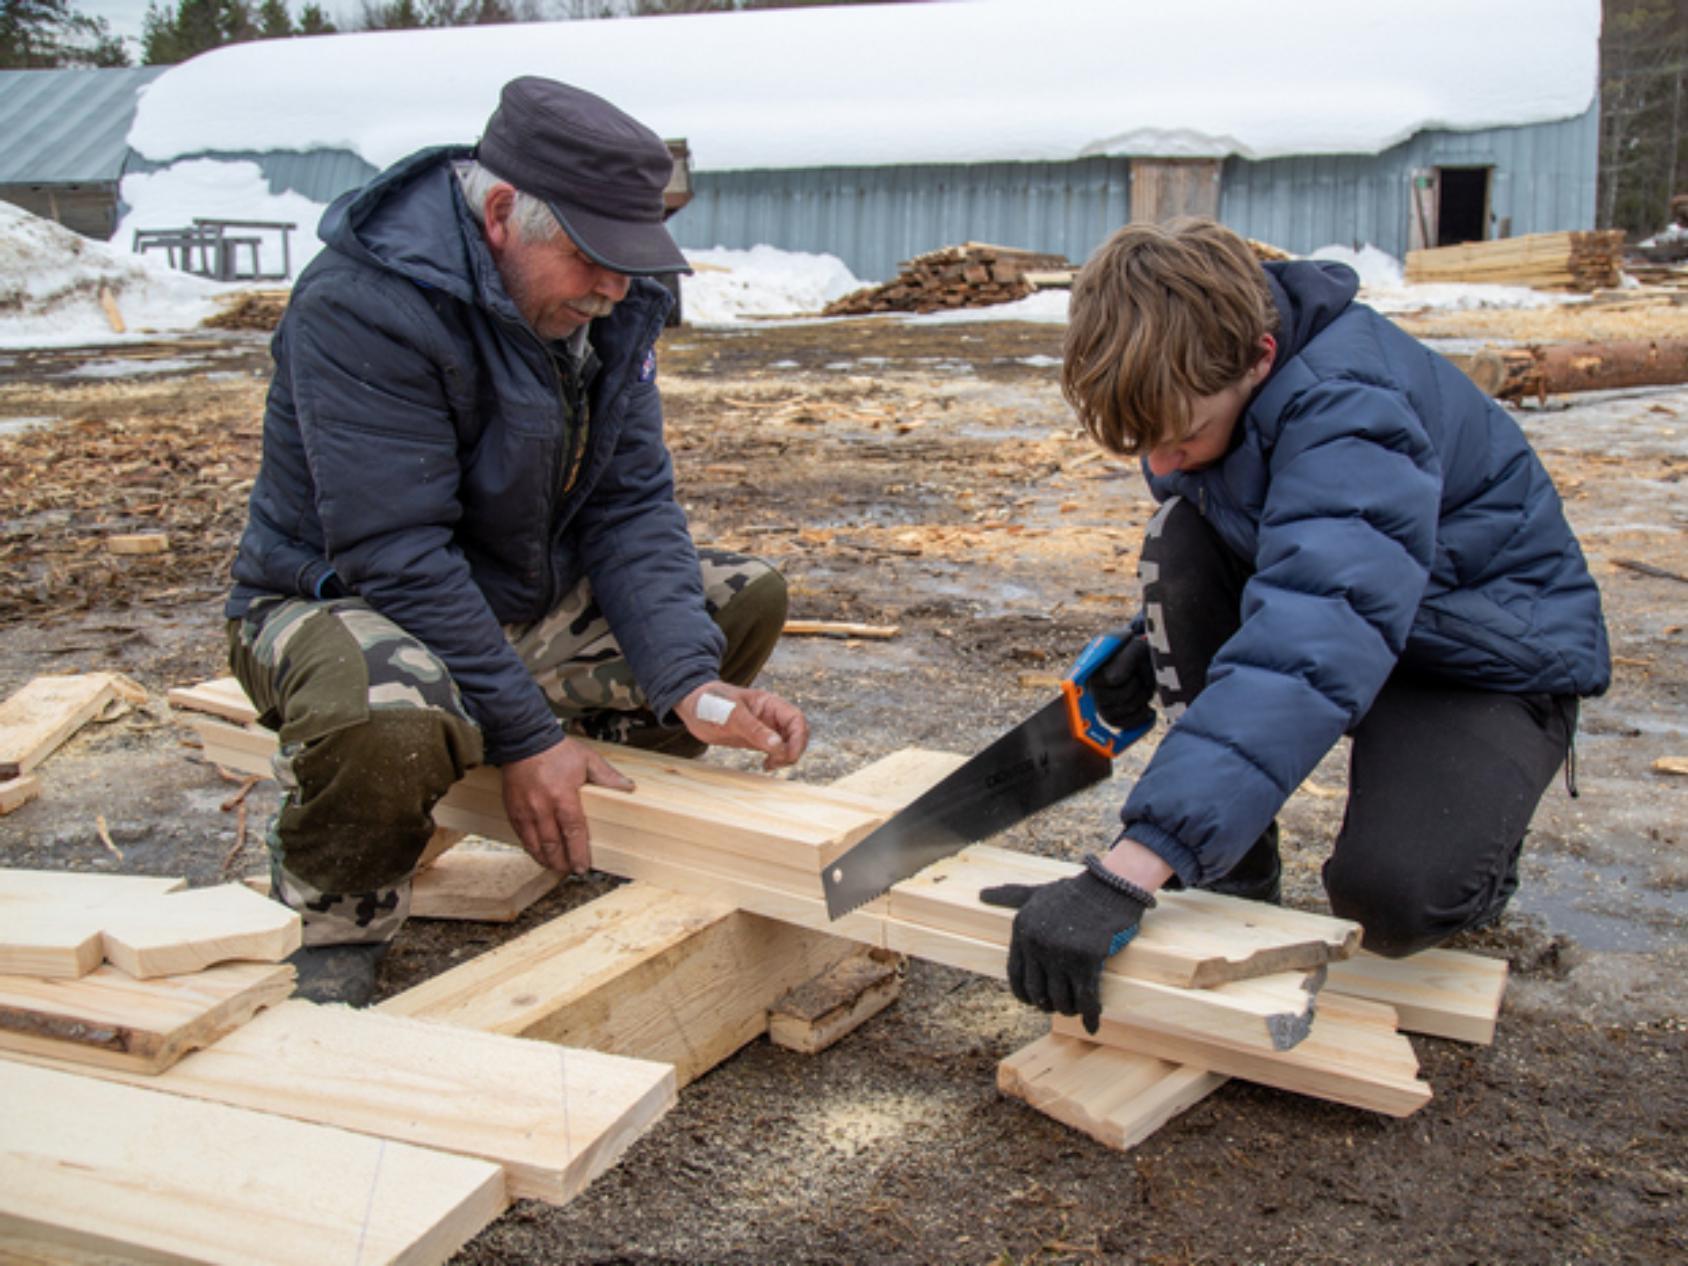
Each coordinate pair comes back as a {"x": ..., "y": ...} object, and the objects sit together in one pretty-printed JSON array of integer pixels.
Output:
[{"x": 1088, "y": 726}]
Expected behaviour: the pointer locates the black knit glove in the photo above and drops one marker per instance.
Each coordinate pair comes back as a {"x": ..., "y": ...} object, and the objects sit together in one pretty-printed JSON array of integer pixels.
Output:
[
  {"x": 1124, "y": 687},
  {"x": 1064, "y": 932}
]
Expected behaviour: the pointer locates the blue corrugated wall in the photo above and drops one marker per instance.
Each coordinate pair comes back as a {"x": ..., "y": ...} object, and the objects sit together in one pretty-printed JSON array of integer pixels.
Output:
[{"x": 873, "y": 218}]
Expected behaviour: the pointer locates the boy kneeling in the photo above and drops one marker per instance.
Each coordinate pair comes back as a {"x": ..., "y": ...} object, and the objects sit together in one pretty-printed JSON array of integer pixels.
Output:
[{"x": 1352, "y": 539}]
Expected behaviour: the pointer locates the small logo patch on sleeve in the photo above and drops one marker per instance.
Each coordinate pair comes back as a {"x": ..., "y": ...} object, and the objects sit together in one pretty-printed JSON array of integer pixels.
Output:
[{"x": 647, "y": 370}]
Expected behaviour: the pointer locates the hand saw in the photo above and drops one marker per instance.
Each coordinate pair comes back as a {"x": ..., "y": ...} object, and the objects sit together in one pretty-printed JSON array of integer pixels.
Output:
[{"x": 1063, "y": 747}]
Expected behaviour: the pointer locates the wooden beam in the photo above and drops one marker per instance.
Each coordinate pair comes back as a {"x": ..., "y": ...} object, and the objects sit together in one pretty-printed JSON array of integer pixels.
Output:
[
  {"x": 1119, "y": 1098},
  {"x": 48, "y": 710},
  {"x": 1439, "y": 992},
  {"x": 91, "y": 1171},
  {"x": 554, "y": 1118},
  {"x": 111, "y": 1020},
  {"x": 639, "y": 971},
  {"x": 1353, "y": 1055},
  {"x": 840, "y": 628}
]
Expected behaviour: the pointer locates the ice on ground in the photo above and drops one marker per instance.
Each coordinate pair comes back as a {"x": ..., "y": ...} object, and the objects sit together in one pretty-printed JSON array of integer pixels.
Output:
[
  {"x": 730, "y": 285},
  {"x": 51, "y": 280}
]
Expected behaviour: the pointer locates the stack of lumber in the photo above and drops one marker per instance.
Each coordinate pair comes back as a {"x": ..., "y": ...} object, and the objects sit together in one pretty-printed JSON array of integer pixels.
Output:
[
  {"x": 762, "y": 843},
  {"x": 42, "y": 715},
  {"x": 972, "y": 275},
  {"x": 1545, "y": 261},
  {"x": 192, "y": 1115}
]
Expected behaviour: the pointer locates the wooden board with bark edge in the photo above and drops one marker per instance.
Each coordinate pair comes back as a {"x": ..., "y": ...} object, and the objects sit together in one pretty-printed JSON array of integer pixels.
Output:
[
  {"x": 111, "y": 1020},
  {"x": 51, "y": 922},
  {"x": 1191, "y": 940},
  {"x": 91, "y": 1171},
  {"x": 46, "y": 711},
  {"x": 1119, "y": 1098},
  {"x": 1266, "y": 1018},
  {"x": 554, "y": 1118},
  {"x": 1353, "y": 1055}
]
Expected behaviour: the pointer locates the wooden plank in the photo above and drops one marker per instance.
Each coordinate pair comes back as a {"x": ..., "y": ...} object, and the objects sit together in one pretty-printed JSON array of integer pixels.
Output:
[
  {"x": 52, "y": 920},
  {"x": 189, "y": 931},
  {"x": 1439, "y": 992},
  {"x": 220, "y": 697},
  {"x": 901, "y": 776},
  {"x": 1192, "y": 940},
  {"x": 840, "y": 628},
  {"x": 790, "y": 823},
  {"x": 483, "y": 885},
  {"x": 552, "y": 1117},
  {"x": 1352, "y": 1055},
  {"x": 134, "y": 543},
  {"x": 17, "y": 792},
  {"x": 640, "y": 971},
  {"x": 48, "y": 710},
  {"x": 1119, "y": 1098},
  {"x": 110, "y": 1019},
  {"x": 91, "y": 1168}
]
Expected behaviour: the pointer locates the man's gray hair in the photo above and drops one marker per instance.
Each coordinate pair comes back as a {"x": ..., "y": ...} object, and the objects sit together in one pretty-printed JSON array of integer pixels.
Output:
[{"x": 532, "y": 218}]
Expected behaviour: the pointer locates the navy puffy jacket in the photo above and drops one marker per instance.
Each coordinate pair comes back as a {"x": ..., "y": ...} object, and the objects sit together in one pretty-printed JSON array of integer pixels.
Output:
[
  {"x": 414, "y": 446},
  {"x": 1394, "y": 515}
]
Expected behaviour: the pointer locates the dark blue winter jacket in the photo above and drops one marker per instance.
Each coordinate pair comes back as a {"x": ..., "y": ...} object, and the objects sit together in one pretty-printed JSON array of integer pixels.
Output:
[
  {"x": 1394, "y": 515},
  {"x": 418, "y": 452}
]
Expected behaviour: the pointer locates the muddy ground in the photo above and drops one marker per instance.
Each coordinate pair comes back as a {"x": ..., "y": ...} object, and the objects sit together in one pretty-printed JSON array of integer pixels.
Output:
[{"x": 927, "y": 475}]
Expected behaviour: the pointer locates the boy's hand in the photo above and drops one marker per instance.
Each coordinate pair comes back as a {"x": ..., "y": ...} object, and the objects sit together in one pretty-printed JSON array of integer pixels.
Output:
[
  {"x": 1124, "y": 687},
  {"x": 1064, "y": 932}
]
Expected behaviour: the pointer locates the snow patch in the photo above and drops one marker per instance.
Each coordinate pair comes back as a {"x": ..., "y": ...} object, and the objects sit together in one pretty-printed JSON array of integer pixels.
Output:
[{"x": 731, "y": 285}]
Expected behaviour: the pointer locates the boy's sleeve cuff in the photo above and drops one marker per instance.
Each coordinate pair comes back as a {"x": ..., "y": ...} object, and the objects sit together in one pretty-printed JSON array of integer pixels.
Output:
[{"x": 1167, "y": 847}]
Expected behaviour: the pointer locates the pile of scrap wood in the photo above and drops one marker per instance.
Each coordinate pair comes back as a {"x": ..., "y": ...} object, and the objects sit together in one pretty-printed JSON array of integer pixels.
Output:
[
  {"x": 973, "y": 275},
  {"x": 1546, "y": 261},
  {"x": 169, "y": 1103},
  {"x": 249, "y": 310}
]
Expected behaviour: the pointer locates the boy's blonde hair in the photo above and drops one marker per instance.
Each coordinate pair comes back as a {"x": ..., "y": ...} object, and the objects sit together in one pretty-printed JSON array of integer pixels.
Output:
[{"x": 1161, "y": 314}]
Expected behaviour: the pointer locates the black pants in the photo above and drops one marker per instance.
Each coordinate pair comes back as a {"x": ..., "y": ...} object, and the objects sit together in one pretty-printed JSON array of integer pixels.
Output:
[{"x": 1442, "y": 778}]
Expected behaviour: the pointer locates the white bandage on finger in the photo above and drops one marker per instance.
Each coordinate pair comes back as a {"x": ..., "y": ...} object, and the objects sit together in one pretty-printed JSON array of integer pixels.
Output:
[{"x": 714, "y": 710}]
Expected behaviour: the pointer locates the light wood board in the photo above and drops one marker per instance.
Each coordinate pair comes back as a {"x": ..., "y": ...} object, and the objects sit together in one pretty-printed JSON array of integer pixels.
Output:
[
  {"x": 17, "y": 792},
  {"x": 87, "y": 1167},
  {"x": 48, "y": 710},
  {"x": 553, "y": 1117},
  {"x": 1439, "y": 992},
  {"x": 1188, "y": 939},
  {"x": 1353, "y": 1055},
  {"x": 51, "y": 922},
  {"x": 471, "y": 885},
  {"x": 110, "y": 1019},
  {"x": 1119, "y": 1098},
  {"x": 189, "y": 931}
]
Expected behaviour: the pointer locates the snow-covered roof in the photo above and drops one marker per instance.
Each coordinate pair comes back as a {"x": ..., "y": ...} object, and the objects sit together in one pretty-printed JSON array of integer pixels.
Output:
[{"x": 958, "y": 82}]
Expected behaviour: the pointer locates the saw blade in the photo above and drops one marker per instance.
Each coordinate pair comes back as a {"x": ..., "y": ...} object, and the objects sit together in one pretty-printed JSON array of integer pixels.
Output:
[{"x": 1029, "y": 768}]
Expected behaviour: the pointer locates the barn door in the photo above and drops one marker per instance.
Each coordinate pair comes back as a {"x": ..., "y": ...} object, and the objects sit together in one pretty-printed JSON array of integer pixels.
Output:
[{"x": 1164, "y": 188}]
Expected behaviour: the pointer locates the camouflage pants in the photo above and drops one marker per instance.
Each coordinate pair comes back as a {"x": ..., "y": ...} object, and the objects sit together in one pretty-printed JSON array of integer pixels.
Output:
[{"x": 373, "y": 731}]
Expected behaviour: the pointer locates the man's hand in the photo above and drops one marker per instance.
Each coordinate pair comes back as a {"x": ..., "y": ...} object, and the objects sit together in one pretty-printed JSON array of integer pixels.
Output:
[
  {"x": 542, "y": 799},
  {"x": 1064, "y": 932},
  {"x": 1124, "y": 687},
  {"x": 737, "y": 716}
]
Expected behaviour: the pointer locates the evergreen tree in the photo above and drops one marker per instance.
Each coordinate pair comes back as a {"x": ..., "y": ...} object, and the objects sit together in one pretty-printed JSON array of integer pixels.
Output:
[
  {"x": 1643, "y": 112},
  {"x": 313, "y": 21},
  {"x": 274, "y": 21},
  {"x": 42, "y": 34}
]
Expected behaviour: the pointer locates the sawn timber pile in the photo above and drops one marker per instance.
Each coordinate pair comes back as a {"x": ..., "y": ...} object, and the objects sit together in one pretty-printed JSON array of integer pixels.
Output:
[
  {"x": 972, "y": 275},
  {"x": 1547, "y": 261}
]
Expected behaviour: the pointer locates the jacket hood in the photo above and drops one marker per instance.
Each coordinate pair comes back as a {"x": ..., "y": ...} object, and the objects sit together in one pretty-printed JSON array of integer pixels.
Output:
[
  {"x": 1309, "y": 295},
  {"x": 394, "y": 223}
]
